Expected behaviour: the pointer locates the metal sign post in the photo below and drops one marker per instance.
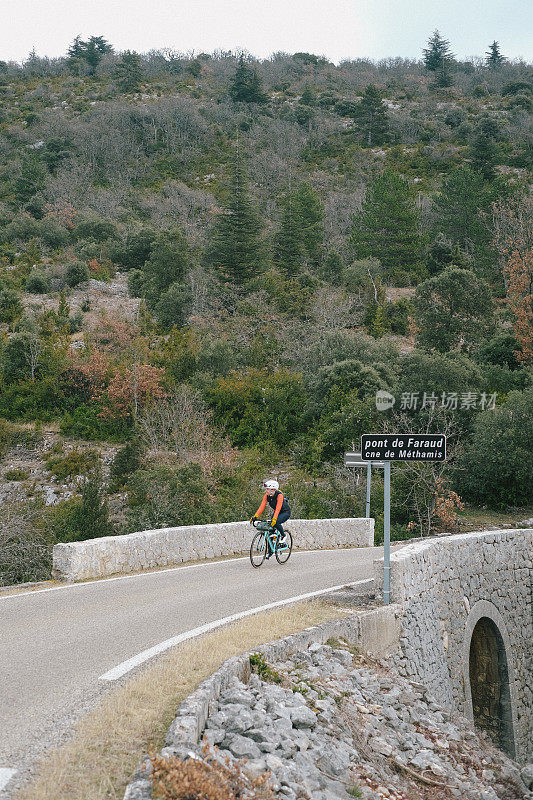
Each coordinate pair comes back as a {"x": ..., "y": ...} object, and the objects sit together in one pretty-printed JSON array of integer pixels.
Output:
[
  {"x": 386, "y": 533},
  {"x": 368, "y": 480},
  {"x": 353, "y": 459},
  {"x": 378, "y": 450}
]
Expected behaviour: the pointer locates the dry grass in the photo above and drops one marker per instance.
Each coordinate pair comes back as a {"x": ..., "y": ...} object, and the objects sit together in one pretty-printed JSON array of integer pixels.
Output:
[
  {"x": 108, "y": 743},
  {"x": 474, "y": 518}
]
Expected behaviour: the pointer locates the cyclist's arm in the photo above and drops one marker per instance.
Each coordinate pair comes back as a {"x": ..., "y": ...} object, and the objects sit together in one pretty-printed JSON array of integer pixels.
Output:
[
  {"x": 261, "y": 507},
  {"x": 278, "y": 509}
]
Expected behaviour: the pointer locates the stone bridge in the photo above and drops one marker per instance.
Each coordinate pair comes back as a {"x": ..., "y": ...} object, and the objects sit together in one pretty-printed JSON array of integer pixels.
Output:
[
  {"x": 464, "y": 605},
  {"x": 466, "y": 618}
]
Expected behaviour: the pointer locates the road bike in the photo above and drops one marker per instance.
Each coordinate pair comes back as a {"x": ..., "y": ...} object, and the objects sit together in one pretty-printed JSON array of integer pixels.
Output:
[{"x": 267, "y": 542}]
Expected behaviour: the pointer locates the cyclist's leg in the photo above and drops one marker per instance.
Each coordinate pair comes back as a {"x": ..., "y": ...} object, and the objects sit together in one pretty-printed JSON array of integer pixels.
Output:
[{"x": 283, "y": 517}]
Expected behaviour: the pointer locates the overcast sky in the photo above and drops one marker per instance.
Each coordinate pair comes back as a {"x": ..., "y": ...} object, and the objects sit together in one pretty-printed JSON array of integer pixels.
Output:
[{"x": 338, "y": 29}]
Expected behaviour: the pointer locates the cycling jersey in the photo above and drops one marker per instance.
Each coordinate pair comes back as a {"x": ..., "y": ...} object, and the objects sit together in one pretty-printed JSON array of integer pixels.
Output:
[{"x": 277, "y": 501}]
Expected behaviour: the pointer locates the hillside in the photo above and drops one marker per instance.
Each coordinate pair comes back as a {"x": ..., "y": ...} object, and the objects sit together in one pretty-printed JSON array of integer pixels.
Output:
[{"x": 210, "y": 264}]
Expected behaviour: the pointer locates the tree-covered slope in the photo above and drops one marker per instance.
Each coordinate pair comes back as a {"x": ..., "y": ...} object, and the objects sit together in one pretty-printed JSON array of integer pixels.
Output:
[{"x": 209, "y": 266}]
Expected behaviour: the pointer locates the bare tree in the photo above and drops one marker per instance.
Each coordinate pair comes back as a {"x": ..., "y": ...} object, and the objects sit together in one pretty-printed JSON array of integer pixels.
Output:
[
  {"x": 178, "y": 430},
  {"x": 25, "y": 552},
  {"x": 425, "y": 493}
]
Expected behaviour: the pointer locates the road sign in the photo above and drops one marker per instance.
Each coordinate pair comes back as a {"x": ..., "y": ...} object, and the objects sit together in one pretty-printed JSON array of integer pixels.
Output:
[
  {"x": 356, "y": 460},
  {"x": 403, "y": 447}
]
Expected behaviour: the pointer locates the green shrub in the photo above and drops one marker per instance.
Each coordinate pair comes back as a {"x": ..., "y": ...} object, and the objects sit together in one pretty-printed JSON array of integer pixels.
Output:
[
  {"x": 96, "y": 228},
  {"x": 398, "y": 533},
  {"x": 12, "y": 434},
  {"x": 136, "y": 283},
  {"x": 52, "y": 233},
  {"x": 22, "y": 228},
  {"x": 76, "y": 273},
  {"x": 164, "y": 496},
  {"x": 126, "y": 462},
  {"x": 517, "y": 87},
  {"x": 10, "y": 306},
  {"x": 135, "y": 250},
  {"x": 522, "y": 101},
  {"x": 74, "y": 463},
  {"x": 31, "y": 400},
  {"x": 501, "y": 349},
  {"x": 173, "y": 306},
  {"x": 261, "y": 668},
  {"x": 82, "y": 518},
  {"x": 85, "y": 422},
  {"x": 453, "y": 310},
  {"x": 499, "y": 378},
  {"x": 396, "y": 316},
  {"x": 257, "y": 407},
  {"x": 16, "y": 475},
  {"x": 75, "y": 322},
  {"x": 38, "y": 282},
  {"x": 496, "y": 468}
]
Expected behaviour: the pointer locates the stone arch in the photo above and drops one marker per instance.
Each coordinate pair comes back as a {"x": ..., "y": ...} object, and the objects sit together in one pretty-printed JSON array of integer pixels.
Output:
[{"x": 488, "y": 675}]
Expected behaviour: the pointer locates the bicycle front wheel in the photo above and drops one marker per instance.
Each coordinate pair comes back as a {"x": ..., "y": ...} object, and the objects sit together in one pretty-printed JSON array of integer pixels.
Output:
[
  {"x": 258, "y": 549},
  {"x": 283, "y": 552}
]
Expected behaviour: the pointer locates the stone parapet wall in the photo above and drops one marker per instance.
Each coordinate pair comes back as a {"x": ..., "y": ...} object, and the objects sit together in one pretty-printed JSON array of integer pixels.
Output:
[
  {"x": 111, "y": 555},
  {"x": 445, "y": 586}
]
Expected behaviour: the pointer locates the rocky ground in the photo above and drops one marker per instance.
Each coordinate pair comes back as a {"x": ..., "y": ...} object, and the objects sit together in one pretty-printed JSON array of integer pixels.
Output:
[
  {"x": 330, "y": 725},
  {"x": 29, "y": 457},
  {"x": 101, "y": 297}
]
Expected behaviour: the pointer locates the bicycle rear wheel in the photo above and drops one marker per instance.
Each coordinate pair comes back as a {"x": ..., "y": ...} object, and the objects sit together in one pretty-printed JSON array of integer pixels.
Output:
[
  {"x": 258, "y": 549},
  {"x": 283, "y": 553}
]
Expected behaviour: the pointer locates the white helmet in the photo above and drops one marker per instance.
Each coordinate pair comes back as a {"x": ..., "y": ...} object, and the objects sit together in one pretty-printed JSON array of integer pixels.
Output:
[{"x": 271, "y": 485}]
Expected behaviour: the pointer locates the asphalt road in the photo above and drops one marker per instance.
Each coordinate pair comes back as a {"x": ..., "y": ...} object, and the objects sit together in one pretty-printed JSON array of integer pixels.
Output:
[{"x": 56, "y": 644}]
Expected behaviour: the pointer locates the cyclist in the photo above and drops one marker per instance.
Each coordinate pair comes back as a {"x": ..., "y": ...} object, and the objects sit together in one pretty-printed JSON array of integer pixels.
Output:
[{"x": 279, "y": 504}]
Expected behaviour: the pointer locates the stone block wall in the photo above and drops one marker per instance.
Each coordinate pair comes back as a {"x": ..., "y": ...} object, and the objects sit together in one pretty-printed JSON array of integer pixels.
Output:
[
  {"x": 111, "y": 555},
  {"x": 445, "y": 586}
]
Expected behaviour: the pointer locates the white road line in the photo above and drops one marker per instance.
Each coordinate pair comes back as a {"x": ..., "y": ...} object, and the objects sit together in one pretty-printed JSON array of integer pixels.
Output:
[
  {"x": 5, "y": 776},
  {"x": 30, "y": 593},
  {"x": 126, "y": 666}
]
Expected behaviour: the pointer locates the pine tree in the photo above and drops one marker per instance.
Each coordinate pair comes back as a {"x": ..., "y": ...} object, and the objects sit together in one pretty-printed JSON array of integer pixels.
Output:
[
  {"x": 76, "y": 48},
  {"x": 443, "y": 76},
  {"x": 461, "y": 209},
  {"x": 308, "y": 97},
  {"x": 300, "y": 239},
  {"x": 129, "y": 71},
  {"x": 95, "y": 48},
  {"x": 311, "y": 218},
  {"x": 31, "y": 65},
  {"x": 440, "y": 255},
  {"x": 288, "y": 243},
  {"x": 31, "y": 180},
  {"x": 237, "y": 250},
  {"x": 484, "y": 153},
  {"x": 168, "y": 263},
  {"x": 371, "y": 118},
  {"x": 437, "y": 53},
  {"x": 246, "y": 85},
  {"x": 493, "y": 57},
  {"x": 484, "y": 149},
  {"x": 91, "y": 51},
  {"x": 378, "y": 327},
  {"x": 452, "y": 310},
  {"x": 388, "y": 229}
]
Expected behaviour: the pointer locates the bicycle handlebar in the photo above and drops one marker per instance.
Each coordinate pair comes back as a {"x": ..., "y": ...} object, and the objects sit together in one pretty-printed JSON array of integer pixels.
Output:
[{"x": 262, "y": 525}]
